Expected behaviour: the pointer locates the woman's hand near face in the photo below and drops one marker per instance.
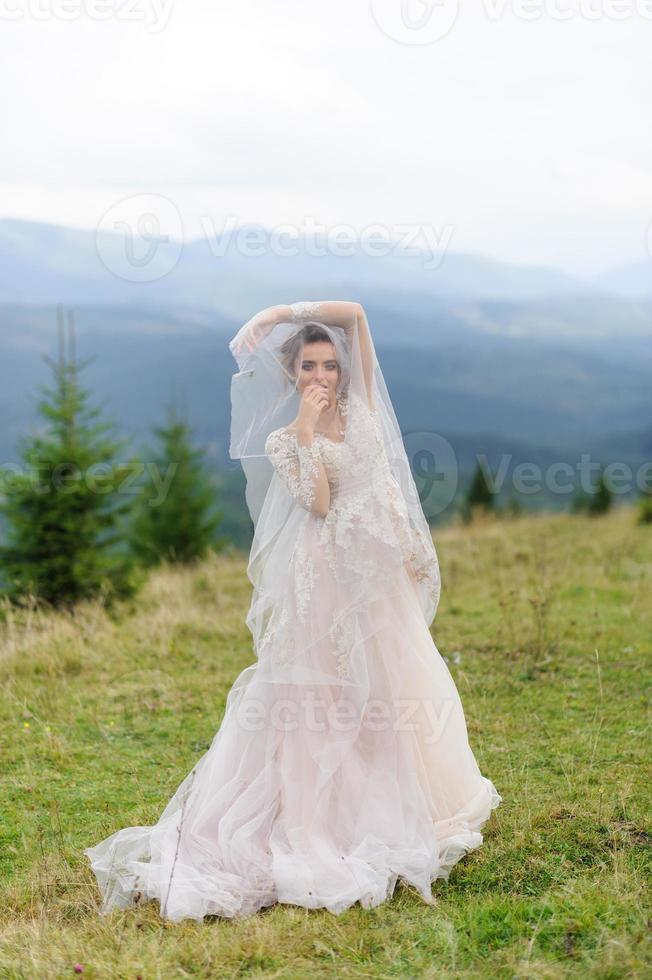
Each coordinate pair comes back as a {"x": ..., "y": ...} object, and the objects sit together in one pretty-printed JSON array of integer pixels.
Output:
[{"x": 313, "y": 401}]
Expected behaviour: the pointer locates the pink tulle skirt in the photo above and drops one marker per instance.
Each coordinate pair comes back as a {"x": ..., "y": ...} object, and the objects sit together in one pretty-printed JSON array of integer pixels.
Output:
[{"x": 332, "y": 775}]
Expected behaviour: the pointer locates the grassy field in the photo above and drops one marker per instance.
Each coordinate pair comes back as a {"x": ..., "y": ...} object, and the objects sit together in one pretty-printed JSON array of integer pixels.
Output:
[{"x": 547, "y": 624}]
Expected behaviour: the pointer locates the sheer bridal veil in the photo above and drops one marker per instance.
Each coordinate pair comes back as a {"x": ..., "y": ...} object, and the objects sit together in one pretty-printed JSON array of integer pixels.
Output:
[{"x": 376, "y": 522}]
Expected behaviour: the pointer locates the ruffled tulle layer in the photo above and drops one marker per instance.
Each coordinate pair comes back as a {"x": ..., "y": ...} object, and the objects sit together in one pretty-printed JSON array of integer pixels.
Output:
[
  {"x": 367, "y": 873},
  {"x": 318, "y": 796}
]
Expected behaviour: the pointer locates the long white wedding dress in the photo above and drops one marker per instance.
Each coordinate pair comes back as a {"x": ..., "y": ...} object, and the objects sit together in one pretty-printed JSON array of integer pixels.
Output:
[{"x": 342, "y": 762}]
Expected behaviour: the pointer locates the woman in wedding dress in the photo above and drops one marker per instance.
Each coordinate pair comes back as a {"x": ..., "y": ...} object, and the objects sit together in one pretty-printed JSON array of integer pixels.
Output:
[{"x": 342, "y": 763}]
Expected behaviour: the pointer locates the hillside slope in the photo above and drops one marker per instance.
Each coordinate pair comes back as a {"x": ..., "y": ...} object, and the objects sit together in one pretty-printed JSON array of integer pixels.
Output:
[{"x": 546, "y": 623}]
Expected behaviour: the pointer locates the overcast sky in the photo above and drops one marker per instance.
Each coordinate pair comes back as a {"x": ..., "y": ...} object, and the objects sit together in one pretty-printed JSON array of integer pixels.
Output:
[{"x": 522, "y": 139}]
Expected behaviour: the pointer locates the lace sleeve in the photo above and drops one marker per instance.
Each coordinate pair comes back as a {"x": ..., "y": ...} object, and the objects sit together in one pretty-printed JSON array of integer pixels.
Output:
[
  {"x": 337, "y": 312},
  {"x": 303, "y": 310},
  {"x": 298, "y": 466}
]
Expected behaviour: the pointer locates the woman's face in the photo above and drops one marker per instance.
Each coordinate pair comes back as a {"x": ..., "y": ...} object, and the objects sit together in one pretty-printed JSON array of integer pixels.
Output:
[{"x": 318, "y": 365}]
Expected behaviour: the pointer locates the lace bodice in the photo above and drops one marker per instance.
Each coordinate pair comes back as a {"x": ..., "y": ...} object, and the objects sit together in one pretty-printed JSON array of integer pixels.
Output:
[
  {"x": 296, "y": 465},
  {"x": 372, "y": 501},
  {"x": 334, "y": 456}
]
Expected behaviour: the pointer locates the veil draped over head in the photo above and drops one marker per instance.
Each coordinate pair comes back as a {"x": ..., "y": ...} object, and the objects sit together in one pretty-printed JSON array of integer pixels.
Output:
[{"x": 375, "y": 527}]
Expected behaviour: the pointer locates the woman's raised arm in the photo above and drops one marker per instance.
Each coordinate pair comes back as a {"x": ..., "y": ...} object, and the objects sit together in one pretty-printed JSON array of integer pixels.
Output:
[{"x": 338, "y": 313}]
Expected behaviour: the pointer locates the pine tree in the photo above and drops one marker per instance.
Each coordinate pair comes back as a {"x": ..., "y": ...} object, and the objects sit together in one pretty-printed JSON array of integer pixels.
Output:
[
  {"x": 602, "y": 500},
  {"x": 179, "y": 523},
  {"x": 479, "y": 494},
  {"x": 645, "y": 509},
  {"x": 64, "y": 508},
  {"x": 580, "y": 502},
  {"x": 596, "y": 501},
  {"x": 645, "y": 500}
]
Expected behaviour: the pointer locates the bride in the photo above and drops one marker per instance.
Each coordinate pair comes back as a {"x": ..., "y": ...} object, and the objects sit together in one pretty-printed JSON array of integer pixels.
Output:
[{"x": 342, "y": 763}]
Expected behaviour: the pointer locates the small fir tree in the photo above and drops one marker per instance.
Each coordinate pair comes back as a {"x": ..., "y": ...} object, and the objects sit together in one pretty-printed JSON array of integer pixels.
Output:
[
  {"x": 597, "y": 501},
  {"x": 479, "y": 494},
  {"x": 603, "y": 498},
  {"x": 645, "y": 507},
  {"x": 175, "y": 519},
  {"x": 64, "y": 508}
]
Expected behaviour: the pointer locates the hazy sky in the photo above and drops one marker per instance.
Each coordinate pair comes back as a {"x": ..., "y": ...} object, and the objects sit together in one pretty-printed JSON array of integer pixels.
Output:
[{"x": 522, "y": 132}]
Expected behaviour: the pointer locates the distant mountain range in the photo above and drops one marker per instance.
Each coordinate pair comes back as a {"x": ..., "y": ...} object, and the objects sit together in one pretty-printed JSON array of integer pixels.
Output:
[
  {"x": 42, "y": 263},
  {"x": 496, "y": 357}
]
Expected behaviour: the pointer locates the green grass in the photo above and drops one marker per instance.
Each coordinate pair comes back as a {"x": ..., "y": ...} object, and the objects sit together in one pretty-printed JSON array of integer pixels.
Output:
[{"x": 547, "y": 622}]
